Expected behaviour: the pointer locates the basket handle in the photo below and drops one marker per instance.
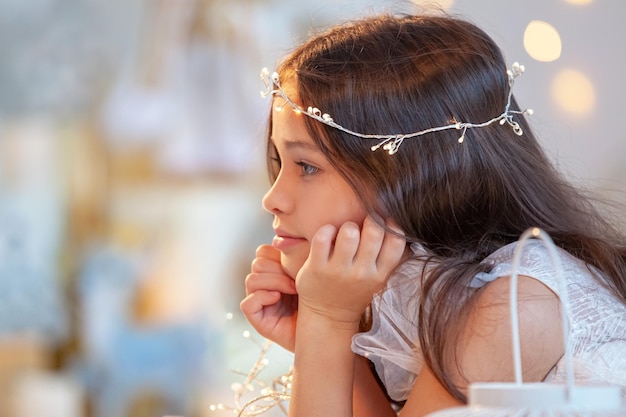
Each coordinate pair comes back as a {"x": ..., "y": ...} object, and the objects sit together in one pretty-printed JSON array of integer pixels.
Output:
[{"x": 536, "y": 232}]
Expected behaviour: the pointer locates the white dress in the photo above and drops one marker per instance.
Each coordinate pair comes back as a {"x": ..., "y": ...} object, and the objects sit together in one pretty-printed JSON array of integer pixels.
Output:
[{"x": 597, "y": 333}]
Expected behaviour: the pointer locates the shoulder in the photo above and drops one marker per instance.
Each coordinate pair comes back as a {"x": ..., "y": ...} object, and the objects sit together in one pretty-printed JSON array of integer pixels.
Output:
[
  {"x": 535, "y": 261},
  {"x": 484, "y": 351}
]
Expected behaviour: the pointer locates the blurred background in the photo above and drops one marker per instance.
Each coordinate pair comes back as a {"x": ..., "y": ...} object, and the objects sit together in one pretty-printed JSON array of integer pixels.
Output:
[{"x": 131, "y": 174}]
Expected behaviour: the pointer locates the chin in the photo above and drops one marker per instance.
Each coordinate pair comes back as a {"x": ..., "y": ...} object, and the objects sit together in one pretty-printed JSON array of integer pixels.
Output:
[{"x": 291, "y": 264}]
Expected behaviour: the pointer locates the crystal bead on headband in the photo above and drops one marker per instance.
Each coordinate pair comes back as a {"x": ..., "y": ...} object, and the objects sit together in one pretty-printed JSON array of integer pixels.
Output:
[{"x": 391, "y": 143}]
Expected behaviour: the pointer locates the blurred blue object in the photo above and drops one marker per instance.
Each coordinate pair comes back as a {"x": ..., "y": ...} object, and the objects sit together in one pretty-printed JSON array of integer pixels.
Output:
[
  {"x": 31, "y": 297},
  {"x": 122, "y": 359}
]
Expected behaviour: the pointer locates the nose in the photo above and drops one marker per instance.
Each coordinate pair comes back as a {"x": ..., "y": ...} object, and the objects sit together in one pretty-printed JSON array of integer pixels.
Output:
[{"x": 278, "y": 199}]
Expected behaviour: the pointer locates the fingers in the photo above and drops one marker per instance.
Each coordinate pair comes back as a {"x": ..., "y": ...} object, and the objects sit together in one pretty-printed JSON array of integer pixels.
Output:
[
  {"x": 270, "y": 279},
  {"x": 346, "y": 266},
  {"x": 321, "y": 245},
  {"x": 392, "y": 249},
  {"x": 271, "y": 301},
  {"x": 252, "y": 306},
  {"x": 372, "y": 237},
  {"x": 266, "y": 265},
  {"x": 342, "y": 245},
  {"x": 269, "y": 252},
  {"x": 267, "y": 273},
  {"x": 371, "y": 247},
  {"x": 347, "y": 243}
]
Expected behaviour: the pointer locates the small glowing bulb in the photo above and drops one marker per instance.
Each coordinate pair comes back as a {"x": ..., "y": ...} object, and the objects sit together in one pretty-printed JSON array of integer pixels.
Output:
[
  {"x": 229, "y": 316},
  {"x": 246, "y": 334}
]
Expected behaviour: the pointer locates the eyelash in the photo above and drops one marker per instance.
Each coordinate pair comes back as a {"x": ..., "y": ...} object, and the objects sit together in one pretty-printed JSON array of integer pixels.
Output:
[{"x": 306, "y": 167}]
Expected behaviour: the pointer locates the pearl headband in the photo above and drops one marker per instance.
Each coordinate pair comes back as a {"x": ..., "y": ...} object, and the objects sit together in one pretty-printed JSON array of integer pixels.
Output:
[{"x": 391, "y": 143}]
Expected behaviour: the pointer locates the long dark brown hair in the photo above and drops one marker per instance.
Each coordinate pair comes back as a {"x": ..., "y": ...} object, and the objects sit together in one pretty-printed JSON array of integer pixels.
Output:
[{"x": 399, "y": 74}]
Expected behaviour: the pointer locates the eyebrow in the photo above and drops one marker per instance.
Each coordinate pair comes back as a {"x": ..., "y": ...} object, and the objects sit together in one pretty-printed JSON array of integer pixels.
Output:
[{"x": 294, "y": 143}]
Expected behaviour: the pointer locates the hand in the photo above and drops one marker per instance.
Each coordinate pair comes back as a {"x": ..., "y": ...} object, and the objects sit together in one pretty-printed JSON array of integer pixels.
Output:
[
  {"x": 271, "y": 301},
  {"x": 338, "y": 281}
]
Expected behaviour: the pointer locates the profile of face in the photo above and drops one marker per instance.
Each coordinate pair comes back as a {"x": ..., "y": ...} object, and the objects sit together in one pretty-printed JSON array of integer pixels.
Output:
[{"x": 308, "y": 191}]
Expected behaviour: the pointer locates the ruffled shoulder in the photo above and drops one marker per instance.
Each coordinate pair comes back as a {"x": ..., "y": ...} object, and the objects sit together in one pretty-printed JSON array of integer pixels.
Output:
[{"x": 535, "y": 262}]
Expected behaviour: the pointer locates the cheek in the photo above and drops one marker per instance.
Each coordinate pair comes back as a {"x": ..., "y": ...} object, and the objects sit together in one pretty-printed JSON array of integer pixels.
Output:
[
  {"x": 340, "y": 207},
  {"x": 351, "y": 213}
]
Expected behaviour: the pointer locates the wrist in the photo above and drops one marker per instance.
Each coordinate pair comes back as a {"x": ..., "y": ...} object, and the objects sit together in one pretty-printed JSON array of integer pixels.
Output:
[{"x": 319, "y": 320}]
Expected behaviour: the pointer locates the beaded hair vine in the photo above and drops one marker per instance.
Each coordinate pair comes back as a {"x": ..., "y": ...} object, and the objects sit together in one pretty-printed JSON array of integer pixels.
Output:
[{"x": 391, "y": 143}]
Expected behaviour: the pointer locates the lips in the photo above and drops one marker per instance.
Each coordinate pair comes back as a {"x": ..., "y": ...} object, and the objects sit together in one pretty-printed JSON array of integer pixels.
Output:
[{"x": 283, "y": 241}]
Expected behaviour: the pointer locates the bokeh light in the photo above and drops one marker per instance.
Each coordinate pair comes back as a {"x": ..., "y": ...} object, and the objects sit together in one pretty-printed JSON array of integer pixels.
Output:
[
  {"x": 542, "y": 41},
  {"x": 443, "y": 4},
  {"x": 579, "y": 2},
  {"x": 574, "y": 92}
]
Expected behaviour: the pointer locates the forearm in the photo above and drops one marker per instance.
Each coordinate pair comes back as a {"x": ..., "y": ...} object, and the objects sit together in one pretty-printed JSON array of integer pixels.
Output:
[
  {"x": 369, "y": 400},
  {"x": 323, "y": 368}
]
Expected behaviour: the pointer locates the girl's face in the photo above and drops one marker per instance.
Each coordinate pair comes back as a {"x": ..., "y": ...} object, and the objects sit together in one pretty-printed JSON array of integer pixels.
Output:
[{"x": 308, "y": 192}]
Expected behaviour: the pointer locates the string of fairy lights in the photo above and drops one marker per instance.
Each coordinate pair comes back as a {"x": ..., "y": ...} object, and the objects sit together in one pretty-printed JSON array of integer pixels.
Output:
[{"x": 255, "y": 396}]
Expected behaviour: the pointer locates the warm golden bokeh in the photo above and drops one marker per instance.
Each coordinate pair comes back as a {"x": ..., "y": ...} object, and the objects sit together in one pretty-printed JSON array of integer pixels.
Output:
[
  {"x": 579, "y": 2},
  {"x": 542, "y": 41},
  {"x": 444, "y": 4},
  {"x": 574, "y": 92}
]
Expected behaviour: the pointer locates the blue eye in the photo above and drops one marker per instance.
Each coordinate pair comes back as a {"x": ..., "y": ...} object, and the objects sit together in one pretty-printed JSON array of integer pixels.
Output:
[{"x": 307, "y": 169}]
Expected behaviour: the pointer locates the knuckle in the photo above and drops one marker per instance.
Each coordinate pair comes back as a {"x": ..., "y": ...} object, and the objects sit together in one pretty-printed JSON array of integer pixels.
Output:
[
  {"x": 248, "y": 281},
  {"x": 256, "y": 264},
  {"x": 243, "y": 306},
  {"x": 350, "y": 231},
  {"x": 362, "y": 272},
  {"x": 260, "y": 250},
  {"x": 324, "y": 234},
  {"x": 370, "y": 223},
  {"x": 261, "y": 265}
]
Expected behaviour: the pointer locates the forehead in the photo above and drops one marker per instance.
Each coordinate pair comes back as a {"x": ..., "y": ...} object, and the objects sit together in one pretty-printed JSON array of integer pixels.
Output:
[
  {"x": 289, "y": 124},
  {"x": 288, "y": 127}
]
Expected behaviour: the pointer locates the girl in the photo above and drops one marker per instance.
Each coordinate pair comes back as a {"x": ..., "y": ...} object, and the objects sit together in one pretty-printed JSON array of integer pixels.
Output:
[{"x": 403, "y": 174}]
